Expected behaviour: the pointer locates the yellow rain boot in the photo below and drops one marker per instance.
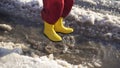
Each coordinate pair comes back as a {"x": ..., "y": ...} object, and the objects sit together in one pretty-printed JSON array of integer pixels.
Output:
[
  {"x": 59, "y": 27},
  {"x": 50, "y": 32}
]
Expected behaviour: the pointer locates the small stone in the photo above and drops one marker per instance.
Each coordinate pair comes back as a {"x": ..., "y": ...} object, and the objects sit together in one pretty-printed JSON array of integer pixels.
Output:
[
  {"x": 65, "y": 49},
  {"x": 97, "y": 64},
  {"x": 5, "y": 27},
  {"x": 90, "y": 65},
  {"x": 108, "y": 35}
]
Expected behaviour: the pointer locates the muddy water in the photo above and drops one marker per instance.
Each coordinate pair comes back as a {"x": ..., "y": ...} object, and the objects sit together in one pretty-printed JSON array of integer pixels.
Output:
[{"x": 81, "y": 50}]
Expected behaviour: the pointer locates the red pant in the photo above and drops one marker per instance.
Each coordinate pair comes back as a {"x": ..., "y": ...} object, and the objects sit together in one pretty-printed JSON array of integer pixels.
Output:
[{"x": 54, "y": 9}]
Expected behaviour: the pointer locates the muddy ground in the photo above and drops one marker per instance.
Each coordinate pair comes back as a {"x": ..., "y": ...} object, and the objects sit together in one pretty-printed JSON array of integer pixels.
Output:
[
  {"x": 75, "y": 48},
  {"x": 100, "y": 43}
]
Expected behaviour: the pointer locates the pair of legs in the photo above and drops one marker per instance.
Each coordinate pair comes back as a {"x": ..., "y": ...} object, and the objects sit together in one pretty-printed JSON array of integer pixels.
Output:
[{"x": 53, "y": 13}]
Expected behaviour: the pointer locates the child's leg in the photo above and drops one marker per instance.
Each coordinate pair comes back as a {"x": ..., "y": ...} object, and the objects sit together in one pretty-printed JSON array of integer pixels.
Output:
[
  {"x": 59, "y": 27},
  {"x": 52, "y": 10},
  {"x": 67, "y": 7}
]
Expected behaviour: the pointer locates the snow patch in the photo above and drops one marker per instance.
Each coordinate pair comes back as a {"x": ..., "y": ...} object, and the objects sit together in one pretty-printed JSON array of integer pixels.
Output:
[{"x": 91, "y": 17}]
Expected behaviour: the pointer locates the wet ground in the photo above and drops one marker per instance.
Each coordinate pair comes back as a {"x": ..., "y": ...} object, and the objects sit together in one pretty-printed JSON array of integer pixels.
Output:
[{"x": 75, "y": 48}]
